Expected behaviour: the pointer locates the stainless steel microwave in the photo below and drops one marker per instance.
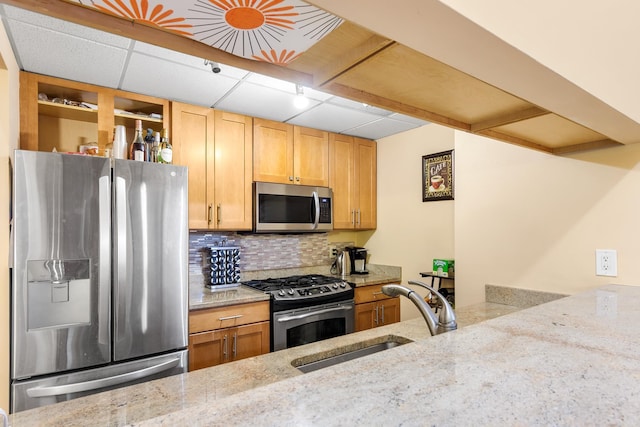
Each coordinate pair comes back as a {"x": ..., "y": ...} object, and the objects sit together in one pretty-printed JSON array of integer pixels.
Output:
[{"x": 289, "y": 208}]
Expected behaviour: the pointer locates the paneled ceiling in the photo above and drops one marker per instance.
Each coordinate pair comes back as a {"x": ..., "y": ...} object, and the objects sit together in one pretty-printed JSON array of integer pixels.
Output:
[{"x": 360, "y": 82}]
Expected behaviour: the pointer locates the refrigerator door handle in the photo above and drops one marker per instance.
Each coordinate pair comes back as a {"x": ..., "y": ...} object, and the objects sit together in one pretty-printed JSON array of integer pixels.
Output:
[{"x": 103, "y": 382}]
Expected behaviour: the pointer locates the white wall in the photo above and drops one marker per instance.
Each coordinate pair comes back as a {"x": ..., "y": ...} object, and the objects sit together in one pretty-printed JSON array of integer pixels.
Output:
[
  {"x": 532, "y": 220},
  {"x": 410, "y": 232},
  {"x": 9, "y": 134}
]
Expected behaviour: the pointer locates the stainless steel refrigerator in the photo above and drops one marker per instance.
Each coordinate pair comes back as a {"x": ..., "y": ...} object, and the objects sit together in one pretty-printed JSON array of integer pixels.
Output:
[{"x": 99, "y": 293}]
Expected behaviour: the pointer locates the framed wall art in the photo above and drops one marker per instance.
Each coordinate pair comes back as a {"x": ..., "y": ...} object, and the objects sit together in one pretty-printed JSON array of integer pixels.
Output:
[{"x": 437, "y": 176}]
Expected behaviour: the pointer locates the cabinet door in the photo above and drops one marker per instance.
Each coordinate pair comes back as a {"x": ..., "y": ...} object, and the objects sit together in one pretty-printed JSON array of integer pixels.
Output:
[
  {"x": 272, "y": 151},
  {"x": 310, "y": 156},
  {"x": 389, "y": 311},
  {"x": 250, "y": 340},
  {"x": 192, "y": 135},
  {"x": 206, "y": 349},
  {"x": 365, "y": 316},
  {"x": 232, "y": 171},
  {"x": 342, "y": 179},
  {"x": 366, "y": 183}
]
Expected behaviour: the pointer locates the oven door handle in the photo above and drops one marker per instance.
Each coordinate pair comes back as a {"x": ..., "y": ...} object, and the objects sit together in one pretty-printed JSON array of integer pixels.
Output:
[{"x": 314, "y": 313}]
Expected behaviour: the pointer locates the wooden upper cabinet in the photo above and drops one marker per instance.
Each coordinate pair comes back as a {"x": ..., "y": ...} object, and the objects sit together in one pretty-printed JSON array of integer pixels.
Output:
[
  {"x": 366, "y": 183},
  {"x": 310, "y": 156},
  {"x": 352, "y": 176},
  {"x": 75, "y": 113},
  {"x": 217, "y": 148},
  {"x": 193, "y": 136},
  {"x": 290, "y": 154},
  {"x": 232, "y": 171},
  {"x": 272, "y": 151}
]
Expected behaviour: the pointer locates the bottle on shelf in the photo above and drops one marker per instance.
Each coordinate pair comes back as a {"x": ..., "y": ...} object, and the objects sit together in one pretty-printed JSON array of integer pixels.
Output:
[
  {"x": 166, "y": 151},
  {"x": 155, "y": 148},
  {"x": 138, "y": 147},
  {"x": 148, "y": 140},
  {"x": 120, "y": 145}
]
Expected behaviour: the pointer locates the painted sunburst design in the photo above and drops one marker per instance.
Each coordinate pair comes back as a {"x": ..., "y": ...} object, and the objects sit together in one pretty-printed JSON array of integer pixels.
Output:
[
  {"x": 139, "y": 11},
  {"x": 276, "y": 31},
  {"x": 282, "y": 58},
  {"x": 259, "y": 29}
]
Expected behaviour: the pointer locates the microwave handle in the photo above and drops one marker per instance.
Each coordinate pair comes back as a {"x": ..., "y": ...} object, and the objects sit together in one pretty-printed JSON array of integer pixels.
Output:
[{"x": 316, "y": 202}]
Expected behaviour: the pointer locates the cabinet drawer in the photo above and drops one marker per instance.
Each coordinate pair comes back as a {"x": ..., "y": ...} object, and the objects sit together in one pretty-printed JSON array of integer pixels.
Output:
[
  {"x": 225, "y": 317},
  {"x": 369, "y": 293}
]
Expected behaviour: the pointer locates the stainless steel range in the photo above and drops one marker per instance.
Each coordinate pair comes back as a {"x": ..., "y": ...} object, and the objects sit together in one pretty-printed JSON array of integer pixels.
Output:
[{"x": 307, "y": 308}]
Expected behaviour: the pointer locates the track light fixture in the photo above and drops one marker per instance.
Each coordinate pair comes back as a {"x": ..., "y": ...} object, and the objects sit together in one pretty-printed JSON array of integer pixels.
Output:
[
  {"x": 215, "y": 67},
  {"x": 301, "y": 101}
]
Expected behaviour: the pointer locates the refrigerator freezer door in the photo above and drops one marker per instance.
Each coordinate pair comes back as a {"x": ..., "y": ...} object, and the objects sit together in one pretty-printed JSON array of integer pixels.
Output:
[
  {"x": 30, "y": 394},
  {"x": 150, "y": 258},
  {"x": 62, "y": 263}
]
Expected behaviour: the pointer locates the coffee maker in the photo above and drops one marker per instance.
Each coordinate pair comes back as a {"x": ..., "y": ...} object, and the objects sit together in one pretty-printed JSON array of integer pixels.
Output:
[{"x": 358, "y": 257}]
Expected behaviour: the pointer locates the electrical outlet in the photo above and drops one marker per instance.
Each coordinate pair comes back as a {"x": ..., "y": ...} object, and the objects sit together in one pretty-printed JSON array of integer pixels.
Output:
[
  {"x": 333, "y": 252},
  {"x": 606, "y": 262}
]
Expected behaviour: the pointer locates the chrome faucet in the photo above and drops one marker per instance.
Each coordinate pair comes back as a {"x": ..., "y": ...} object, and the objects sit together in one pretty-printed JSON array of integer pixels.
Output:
[{"x": 437, "y": 325}]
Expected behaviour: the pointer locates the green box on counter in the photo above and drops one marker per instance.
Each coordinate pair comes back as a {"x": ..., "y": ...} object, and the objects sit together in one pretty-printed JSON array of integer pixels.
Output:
[{"x": 443, "y": 267}]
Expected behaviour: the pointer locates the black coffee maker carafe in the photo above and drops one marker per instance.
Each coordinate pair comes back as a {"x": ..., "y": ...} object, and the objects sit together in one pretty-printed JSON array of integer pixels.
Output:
[{"x": 358, "y": 258}]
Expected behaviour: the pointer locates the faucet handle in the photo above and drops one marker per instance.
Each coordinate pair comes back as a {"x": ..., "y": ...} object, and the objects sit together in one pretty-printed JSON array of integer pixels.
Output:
[{"x": 447, "y": 317}]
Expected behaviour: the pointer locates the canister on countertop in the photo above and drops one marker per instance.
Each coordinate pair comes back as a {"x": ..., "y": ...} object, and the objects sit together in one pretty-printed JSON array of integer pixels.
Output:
[{"x": 223, "y": 266}]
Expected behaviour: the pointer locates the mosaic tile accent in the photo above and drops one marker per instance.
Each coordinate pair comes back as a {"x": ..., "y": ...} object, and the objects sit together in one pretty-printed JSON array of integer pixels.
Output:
[{"x": 262, "y": 251}]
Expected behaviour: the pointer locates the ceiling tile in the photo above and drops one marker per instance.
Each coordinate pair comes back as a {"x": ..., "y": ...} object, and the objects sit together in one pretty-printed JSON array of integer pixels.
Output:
[
  {"x": 152, "y": 76},
  {"x": 332, "y": 118},
  {"x": 381, "y": 128},
  {"x": 38, "y": 51},
  {"x": 187, "y": 60},
  {"x": 65, "y": 27},
  {"x": 260, "y": 101}
]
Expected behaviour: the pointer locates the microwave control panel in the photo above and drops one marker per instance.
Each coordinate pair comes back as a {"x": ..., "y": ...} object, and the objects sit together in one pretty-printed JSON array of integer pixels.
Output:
[{"x": 325, "y": 210}]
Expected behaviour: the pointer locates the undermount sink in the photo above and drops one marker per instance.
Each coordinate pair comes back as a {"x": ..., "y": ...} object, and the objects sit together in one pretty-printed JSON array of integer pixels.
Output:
[{"x": 350, "y": 352}]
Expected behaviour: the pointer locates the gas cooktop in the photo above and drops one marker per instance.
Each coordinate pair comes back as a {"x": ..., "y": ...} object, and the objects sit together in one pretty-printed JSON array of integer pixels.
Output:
[{"x": 311, "y": 289}]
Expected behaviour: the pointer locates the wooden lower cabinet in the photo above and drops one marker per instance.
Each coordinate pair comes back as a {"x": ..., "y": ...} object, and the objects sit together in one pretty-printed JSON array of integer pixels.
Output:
[
  {"x": 226, "y": 345},
  {"x": 373, "y": 308},
  {"x": 224, "y": 334}
]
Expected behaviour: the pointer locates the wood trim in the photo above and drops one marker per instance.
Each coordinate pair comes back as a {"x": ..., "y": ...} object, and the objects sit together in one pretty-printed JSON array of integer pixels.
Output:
[
  {"x": 508, "y": 118},
  {"x": 585, "y": 146}
]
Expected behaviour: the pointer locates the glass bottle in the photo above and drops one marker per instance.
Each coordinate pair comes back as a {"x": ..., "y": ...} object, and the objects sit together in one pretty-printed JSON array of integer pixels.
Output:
[
  {"x": 166, "y": 151},
  {"x": 148, "y": 140},
  {"x": 155, "y": 148},
  {"x": 138, "y": 147}
]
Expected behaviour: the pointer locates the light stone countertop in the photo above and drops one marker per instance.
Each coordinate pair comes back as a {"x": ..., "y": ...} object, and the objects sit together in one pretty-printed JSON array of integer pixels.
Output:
[
  {"x": 573, "y": 361},
  {"x": 194, "y": 392}
]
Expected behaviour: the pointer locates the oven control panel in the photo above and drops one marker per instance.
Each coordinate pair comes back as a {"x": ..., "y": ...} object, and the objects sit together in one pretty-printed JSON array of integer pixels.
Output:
[{"x": 312, "y": 291}]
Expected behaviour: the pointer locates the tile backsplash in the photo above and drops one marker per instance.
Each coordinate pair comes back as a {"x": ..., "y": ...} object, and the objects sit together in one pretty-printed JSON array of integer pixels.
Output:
[{"x": 264, "y": 251}]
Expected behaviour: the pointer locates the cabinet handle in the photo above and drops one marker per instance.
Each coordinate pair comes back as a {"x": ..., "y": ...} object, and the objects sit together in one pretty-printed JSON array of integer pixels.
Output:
[
  {"x": 359, "y": 216},
  {"x": 225, "y": 354},
  {"x": 291, "y": 178},
  {"x": 353, "y": 217},
  {"x": 209, "y": 214},
  {"x": 237, "y": 316},
  {"x": 383, "y": 314},
  {"x": 376, "y": 319},
  {"x": 376, "y": 293},
  {"x": 218, "y": 211},
  {"x": 297, "y": 179},
  {"x": 235, "y": 343}
]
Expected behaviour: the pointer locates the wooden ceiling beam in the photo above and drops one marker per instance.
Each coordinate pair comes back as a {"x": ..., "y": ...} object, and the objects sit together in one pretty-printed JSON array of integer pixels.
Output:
[
  {"x": 90, "y": 17},
  {"x": 514, "y": 140},
  {"x": 586, "y": 146},
  {"x": 389, "y": 104},
  {"x": 371, "y": 47},
  {"x": 512, "y": 117}
]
